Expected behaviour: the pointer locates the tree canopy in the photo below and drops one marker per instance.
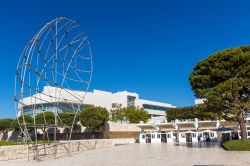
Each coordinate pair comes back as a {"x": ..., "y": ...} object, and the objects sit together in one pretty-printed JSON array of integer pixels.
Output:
[
  {"x": 94, "y": 117},
  {"x": 223, "y": 79},
  {"x": 190, "y": 112},
  {"x": 136, "y": 115},
  {"x": 6, "y": 124},
  {"x": 131, "y": 114},
  {"x": 67, "y": 118},
  {"x": 25, "y": 119},
  {"x": 45, "y": 118},
  {"x": 120, "y": 114}
]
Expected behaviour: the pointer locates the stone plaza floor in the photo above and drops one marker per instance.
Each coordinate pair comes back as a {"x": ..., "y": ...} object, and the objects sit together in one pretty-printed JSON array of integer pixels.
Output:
[{"x": 145, "y": 155}]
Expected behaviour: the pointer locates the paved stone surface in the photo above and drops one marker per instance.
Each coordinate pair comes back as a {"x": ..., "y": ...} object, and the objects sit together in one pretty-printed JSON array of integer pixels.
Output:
[{"x": 145, "y": 155}]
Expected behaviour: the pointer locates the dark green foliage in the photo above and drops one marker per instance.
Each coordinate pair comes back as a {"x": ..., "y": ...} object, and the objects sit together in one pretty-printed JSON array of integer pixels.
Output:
[
  {"x": 136, "y": 115},
  {"x": 21, "y": 119},
  {"x": 5, "y": 125},
  {"x": 94, "y": 117},
  {"x": 237, "y": 145},
  {"x": 45, "y": 118},
  {"x": 181, "y": 113},
  {"x": 8, "y": 143},
  {"x": 224, "y": 80},
  {"x": 131, "y": 114},
  {"x": 26, "y": 119},
  {"x": 220, "y": 67},
  {"x": 12, "y": 124},
  {"x": 119, "y": 115},
  {"x": 227, "y": 99},
  {"x": 191, "y": 112},
  {"x": 15, "y": 125},
  {"x": 67, "y": 118}
]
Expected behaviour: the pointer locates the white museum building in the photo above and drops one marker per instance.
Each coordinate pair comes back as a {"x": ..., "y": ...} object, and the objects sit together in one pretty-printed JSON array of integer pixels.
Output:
[
  {"x": 156, "y": 130},
  {"x": 66, "y": 99}
]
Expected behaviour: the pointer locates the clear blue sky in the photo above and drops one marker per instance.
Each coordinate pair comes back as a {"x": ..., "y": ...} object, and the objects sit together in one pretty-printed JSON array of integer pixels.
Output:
[{"x": 148, "y": 47}]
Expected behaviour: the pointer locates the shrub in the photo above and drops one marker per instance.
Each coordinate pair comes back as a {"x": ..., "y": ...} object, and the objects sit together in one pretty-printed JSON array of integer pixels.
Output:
[
  {"x": 5, "y": 125},
  {"x": 94, "y": 117},
  {"x": 8, "y": 143},
  {"x": 136, "y": 115},
  {"x": 237, "y": 145},
  {"x": 131, "y": 114}
]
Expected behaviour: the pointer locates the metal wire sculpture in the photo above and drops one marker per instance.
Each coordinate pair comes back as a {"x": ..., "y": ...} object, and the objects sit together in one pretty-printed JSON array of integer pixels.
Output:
[{"x": 53, "y": 75}]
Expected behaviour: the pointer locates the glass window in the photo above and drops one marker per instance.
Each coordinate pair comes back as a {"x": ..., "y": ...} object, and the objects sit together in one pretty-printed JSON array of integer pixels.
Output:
[
  {"x": 248, "y": 133},
  {"x": 158, "y": 136},
  {"x": 28, "y": 110},
  {"x": 116, "y": 105},
  {"x": 154, "y": 107},
  {"x": 212, "y": 134},
  {"x": 193, "y": 135},
  {"x": 168, "y": 135},
  {"x": 153, "y": 136},
  {"x": 182, "y": 135},
  {"x": 131, "y": 101},
  {"x": 143, "y": 136}
]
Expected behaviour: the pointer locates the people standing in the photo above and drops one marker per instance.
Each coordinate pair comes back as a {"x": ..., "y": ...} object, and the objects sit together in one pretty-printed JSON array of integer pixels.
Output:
[
  {"x": 199, "y": 140},
  {"x": 207, "y": 138}
]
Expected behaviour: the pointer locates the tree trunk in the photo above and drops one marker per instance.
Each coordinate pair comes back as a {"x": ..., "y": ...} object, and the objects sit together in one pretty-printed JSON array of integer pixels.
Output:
[
  {"x": 5, "y": 135},
  {"x": 67, "y": 135},
  {"x": 242, "y": 127},
  {"x": 44, "y": 134},
  {"x": 93, "y": 133}
]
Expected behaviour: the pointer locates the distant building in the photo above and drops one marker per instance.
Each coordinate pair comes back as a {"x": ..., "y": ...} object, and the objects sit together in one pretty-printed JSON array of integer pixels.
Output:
[
  {"x": 66, "y": 99},
  {"x": 199, "y": 101}
]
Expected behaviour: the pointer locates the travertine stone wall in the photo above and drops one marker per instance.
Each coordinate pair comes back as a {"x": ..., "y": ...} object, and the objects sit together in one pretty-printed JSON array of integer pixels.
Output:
[
  {"x": 64, "y": 148},
  {"x": 116, "y": 126}
]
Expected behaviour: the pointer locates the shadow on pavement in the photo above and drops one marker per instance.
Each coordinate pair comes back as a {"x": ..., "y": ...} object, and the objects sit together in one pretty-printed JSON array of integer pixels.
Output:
[{"x": 201, "y": 145}]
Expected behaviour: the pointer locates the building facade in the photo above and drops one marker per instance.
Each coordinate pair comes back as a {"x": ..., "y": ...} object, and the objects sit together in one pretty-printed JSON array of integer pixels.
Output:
[
  {"x": 188, "y": 131},
  {"x": 52, "y": 98},
  {"x": 156, "y": 130}
]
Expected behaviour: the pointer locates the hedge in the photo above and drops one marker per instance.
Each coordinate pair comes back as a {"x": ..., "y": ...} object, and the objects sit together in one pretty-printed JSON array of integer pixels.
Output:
[
  {"x": 237, "y": 145},
  {"x": 7, "y": 143}
]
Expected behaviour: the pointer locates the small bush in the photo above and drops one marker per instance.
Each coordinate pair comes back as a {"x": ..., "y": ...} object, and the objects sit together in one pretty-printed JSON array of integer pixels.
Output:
[
  {"x": 237, "y": 145},
  {"x": 8, "y": 143}
]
